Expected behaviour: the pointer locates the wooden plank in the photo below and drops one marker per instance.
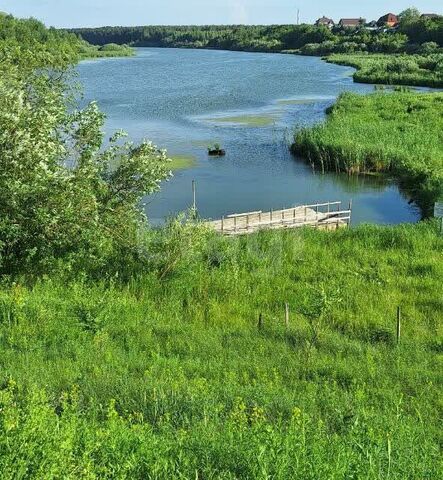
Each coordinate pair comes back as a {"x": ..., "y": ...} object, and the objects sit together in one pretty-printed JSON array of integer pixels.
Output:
[
  {"x": 295, "y": 217},
  {"x": 233, "y": 215}
]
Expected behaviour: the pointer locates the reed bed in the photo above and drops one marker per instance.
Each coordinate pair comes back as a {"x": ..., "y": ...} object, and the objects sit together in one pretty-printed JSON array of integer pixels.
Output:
[
  {"x": 404, "y": 69},
  {"x": 399, "y": 133}
]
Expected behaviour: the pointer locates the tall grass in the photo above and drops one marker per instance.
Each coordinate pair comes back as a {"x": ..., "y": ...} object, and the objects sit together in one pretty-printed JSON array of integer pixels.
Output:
[
  {"x": 168, "y": 376},
  {"x": 399, "y": 132},
  {"x": 413, "y": 70}
]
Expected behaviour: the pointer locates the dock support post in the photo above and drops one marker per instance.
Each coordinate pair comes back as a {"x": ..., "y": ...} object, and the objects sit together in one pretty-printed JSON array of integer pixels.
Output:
[
  {"x": 194, "y": 203},
  {"x": 350, "y": 212},
  {"x": 260, "y": 321}
]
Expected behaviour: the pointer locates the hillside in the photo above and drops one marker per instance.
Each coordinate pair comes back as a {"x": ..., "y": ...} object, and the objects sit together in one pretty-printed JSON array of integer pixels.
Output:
[{"x": 170, "y": 376}]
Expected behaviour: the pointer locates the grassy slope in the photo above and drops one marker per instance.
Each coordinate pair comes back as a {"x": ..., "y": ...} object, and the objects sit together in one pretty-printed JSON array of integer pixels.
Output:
[
  {"x": 171, "y": 378},
  {"x": 398, "y": 132},
  {"x": 416, "y": 70}
]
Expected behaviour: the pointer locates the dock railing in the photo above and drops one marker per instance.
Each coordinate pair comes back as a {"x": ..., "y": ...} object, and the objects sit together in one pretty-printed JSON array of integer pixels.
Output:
[{"x": 329, "y": 215}]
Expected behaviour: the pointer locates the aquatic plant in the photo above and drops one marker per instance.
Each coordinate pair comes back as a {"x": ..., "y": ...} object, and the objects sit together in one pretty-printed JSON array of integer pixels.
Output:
[{"x": 398, "y": 132}]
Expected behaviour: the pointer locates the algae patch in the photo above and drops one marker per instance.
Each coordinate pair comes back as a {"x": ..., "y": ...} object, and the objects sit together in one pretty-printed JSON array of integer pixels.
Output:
[
  {"x": 247, "y": 120},
  {"x": 181, "y": 162}
]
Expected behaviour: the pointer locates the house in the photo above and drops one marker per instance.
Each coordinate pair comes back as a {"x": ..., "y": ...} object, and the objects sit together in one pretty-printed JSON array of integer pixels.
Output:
[
  {"x": 325, "y": 22},
  {"x": 351, "y": 22},
  {"x": 388, "y": 20}
]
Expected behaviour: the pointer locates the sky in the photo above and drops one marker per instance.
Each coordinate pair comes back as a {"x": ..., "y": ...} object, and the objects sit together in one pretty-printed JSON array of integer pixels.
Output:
[{"x": 93, "y": 13}]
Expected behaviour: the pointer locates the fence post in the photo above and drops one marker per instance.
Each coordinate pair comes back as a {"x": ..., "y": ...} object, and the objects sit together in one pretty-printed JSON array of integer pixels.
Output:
[
  {"x": 287, "y": 315},
  {"x": 398, "y": 325},
  {"x": 260, "y": 321},
  {"x": 223, "y": 224}
]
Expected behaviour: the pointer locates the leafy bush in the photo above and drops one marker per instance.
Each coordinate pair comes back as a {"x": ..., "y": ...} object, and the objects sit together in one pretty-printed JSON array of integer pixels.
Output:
[{"x": 65, "y": 196}]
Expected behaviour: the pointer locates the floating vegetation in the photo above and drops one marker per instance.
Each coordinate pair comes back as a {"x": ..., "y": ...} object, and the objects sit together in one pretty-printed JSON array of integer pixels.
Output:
[
  {"x": 182, "y": 162},
  {"x": 216, "y": 151},
  {"x": 247, "y": 120},
  {"x": 299, "y": 101}
]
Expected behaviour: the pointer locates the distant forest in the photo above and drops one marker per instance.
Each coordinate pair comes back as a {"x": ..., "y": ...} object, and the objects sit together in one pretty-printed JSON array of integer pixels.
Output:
[{"x": 413, "y": 35}]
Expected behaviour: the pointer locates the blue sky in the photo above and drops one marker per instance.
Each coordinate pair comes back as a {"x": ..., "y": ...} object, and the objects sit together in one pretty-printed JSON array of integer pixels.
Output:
[{"x": 72, "y": 13}]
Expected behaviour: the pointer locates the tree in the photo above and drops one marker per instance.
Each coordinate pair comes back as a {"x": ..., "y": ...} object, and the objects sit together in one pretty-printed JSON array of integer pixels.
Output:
[
  {"x": 408, "y": 16},
  {"x": 64, "y": 195}
]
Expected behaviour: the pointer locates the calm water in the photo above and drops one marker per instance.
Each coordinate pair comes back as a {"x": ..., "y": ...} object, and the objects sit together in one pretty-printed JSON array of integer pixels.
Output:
[{"x": 184, "y": 100}]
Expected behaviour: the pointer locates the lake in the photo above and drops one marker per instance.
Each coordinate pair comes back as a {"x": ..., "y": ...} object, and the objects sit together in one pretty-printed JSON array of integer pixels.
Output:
[{"x": 185, "y": 100}]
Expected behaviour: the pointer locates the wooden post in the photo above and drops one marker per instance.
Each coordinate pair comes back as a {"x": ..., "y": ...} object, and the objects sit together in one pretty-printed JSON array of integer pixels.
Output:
[
  {"x": 259, "y": 220},
  {"x": 306, "y": 214},
  {"x": 194, "y": 203},
  {"x": 247, "y": 223},
  {"x": 271, "y": 215},
  {"x": 398, "y": 325},
  {"x": 350, "y": 212},
  {"x": 287, "y": 315},
  {"x": 293, "y": 220},
  {"x": 235, "y": 224},
  {"x": 260, "y": 321},
  {"x": 223, "y": 224}
]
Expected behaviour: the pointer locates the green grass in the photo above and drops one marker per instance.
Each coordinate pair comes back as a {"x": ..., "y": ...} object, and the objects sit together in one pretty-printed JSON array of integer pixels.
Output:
[
  {"x": 169, "y": 377},
  {"x": 88, "y": 51},
  {"x": 182, "y": 162},
  {"x": 400, "y": 133},
  {"x": 414, "y": 70}
]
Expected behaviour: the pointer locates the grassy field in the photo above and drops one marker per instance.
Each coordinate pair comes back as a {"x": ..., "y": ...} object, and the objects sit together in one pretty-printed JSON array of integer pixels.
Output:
[
  {"x": 396, "y": 132},
  {"x": 414, "y": 70},
  {"x": 169, "y": 376}
]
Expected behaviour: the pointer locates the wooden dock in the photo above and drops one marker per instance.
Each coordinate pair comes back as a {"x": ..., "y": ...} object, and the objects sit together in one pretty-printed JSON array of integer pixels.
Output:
[{"x": 329, "y": 216}]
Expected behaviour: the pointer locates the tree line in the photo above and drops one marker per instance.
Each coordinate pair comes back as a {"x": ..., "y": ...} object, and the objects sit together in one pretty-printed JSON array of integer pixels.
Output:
[{"x": 413, "y": 34}]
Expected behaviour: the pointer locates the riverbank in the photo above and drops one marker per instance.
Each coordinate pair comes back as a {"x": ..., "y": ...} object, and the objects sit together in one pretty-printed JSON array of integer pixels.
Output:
[
  {"x": 170, "y": 373},
  {"x": 397, "y": 132},
  {"x": 411, "y": 70},
  {"x": 411, "y": 55}
]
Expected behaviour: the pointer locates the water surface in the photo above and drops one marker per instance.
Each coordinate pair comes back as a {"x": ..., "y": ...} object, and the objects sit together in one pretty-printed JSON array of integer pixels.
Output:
[{"x": 185, "y": 100}]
